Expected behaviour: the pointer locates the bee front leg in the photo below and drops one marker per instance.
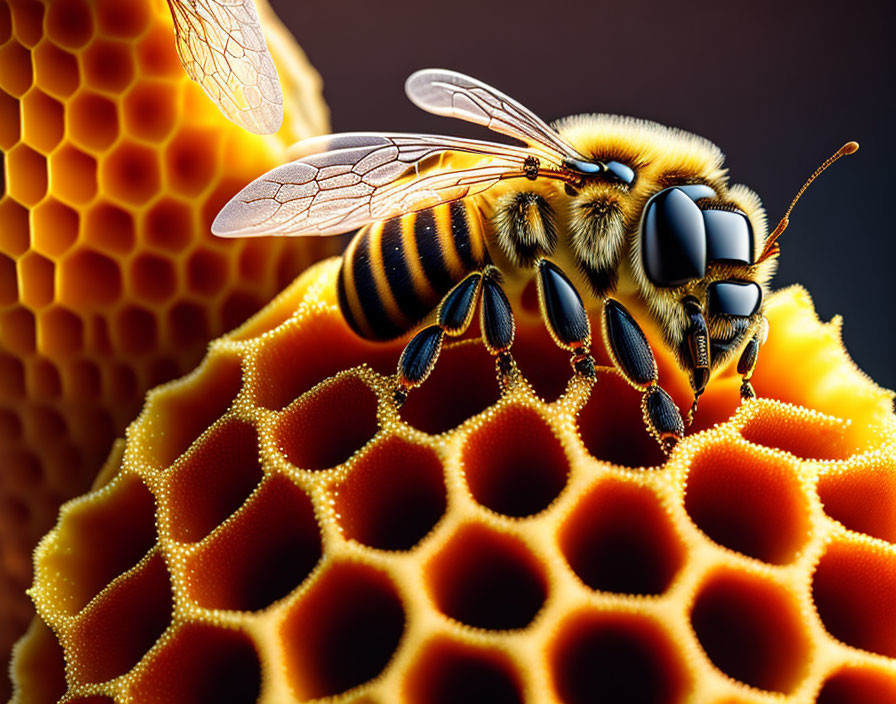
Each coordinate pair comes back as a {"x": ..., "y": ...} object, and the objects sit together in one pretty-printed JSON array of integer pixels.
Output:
[
  {"x": 633, "y": 357},
  {"x": 454, "y": 315},
  {"x": 564, "y": 313},
  {"x": 747, "y": 362}
]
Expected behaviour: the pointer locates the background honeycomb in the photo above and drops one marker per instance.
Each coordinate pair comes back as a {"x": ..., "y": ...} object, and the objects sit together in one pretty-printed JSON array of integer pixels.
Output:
[
  {"x": 276, "y": 531},
  {"x": 114, "y": 164}
]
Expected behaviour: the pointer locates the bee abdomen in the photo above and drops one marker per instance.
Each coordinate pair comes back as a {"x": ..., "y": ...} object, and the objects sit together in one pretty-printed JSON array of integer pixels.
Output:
[{"x": 395, "y": 272}]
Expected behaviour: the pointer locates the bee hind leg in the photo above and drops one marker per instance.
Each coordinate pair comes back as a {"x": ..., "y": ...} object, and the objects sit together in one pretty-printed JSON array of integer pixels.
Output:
[
  {"x": 454, "y": 315},
  {"x": 565, "y": 315},
  {"x": 634, "y": 359}
]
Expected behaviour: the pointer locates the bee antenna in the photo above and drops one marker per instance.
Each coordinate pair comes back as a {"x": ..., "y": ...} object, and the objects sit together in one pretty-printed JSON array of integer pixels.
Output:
[{"x": 771, "y": 248}]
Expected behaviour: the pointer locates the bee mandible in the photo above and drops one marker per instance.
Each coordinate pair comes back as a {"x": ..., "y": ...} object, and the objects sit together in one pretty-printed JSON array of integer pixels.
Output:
[{"x": 614, "y": 206}]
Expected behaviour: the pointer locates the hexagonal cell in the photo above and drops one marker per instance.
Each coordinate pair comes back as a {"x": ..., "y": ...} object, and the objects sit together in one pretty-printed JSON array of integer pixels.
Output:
[
  {"x": 153, "y": 278},
  {"x": 393, "y": 497},
  {"x": 206, "y": 272},
  {"x": 17, "y": 331},
  {"x": 610, "y": 429},
  {"x": 853, "y": 589},
  {"x": 10, "y": 127},
  {"x": 150, "y": 110},
  {"x": 72, "y": 175},
  {"x": 26, "y": 170},
  {"x": 108, "y": 65},
  {"x": 858, "y": 685},
  {"x": 55, "y": 70},
  {"x": 54, "y": 227},
  {"x": 36, "y": 277},
  {"x": 93, "y": 121},
  {"x": 447, "y": 672},
  {"x": 136, "y": 331},
  {"x": 862, "y": 498},
  {"x": 823, "y": 439},
  {"x": 116, "y": 631},
  {"x": 42, "y": 121},
  {"x": 12, "y": 375},
  {"x": 343, "y": 632},
  {"x": 487, "y": 580},
  {"x": 98, "y": 540},
  {"x": 201, "y": 664},
  {"x": 17, "y": 76},
  {"x": 5, "y": 23},
  {"x": 10, "y": 427},
  {"x": 239, "y": 306},
  {"x": 89, "y": 279},
  {"x": 9, "y": 284},
  {"x": 44, "y": 380},
  {"x": 39, "y": 665},
  {"x": 752, "y": 630},
  {"x": 85, "y": 380},
  {"x": 22, "y": 469},
  {"x": 260, "y": 556},
  {"x": 753, "y": 504},
  {"x": 188, "y": 324},
  {"x": 441, "y": 403},
  {"x": 619, "y": 538},
  {"x": 131, "y": 173},
  {"x": 226, "y": 458},
  {"x": 191, "y": 161},
  {"x": 616, "y": 657},
  {"x": 329, "y": 424},
  {"x": 156, "y": 55},
  {"x": 168, "y": 225},
  {"x": 28, "y": 20},
  {"x": 121, "y": 18},
  {"x": 514, "y": 464},
  {"x": 69, "y": 23},
  {"x": 179, "y": 413},
  {"x": 109, "y": 228},
  {"x": 14, "y": 235},
  {"x": 280, "y": 380}
]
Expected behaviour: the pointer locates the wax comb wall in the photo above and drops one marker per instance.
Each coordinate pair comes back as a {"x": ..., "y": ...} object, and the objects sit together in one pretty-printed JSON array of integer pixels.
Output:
[
  {"x": 114, "y": 164},
  {"x": 281, "y": 533}
]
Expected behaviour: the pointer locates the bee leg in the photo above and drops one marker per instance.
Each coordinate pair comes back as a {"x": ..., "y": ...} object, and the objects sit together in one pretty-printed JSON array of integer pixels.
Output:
[
  {"x": 455, "y": 313},
  {"x": 745, "y": 366},
  {"x": 564, "y": 313},
  {"x": 696, "y": 351},
  {"x": 498, "y": 327},
  {"x": 633, "y": 357}
]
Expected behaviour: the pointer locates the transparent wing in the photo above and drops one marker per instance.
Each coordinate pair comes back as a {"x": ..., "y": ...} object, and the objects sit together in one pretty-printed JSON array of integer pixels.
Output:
[
  {"x": 342, "y": 182},
  {"x": 221, "y": 46},
  {"x": 454, "y": 94}
]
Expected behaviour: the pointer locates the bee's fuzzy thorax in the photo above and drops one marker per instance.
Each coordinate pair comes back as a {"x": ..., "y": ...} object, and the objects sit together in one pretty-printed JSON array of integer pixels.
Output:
[{"x": 648, "y": 147}]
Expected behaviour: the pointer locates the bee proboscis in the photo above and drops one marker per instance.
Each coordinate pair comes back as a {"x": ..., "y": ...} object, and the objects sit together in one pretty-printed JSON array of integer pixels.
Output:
[{"x": 619, "y": 207}]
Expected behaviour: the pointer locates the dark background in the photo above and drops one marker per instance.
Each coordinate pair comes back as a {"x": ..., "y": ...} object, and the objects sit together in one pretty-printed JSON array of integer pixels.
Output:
[{"x": 778, "y": 86}]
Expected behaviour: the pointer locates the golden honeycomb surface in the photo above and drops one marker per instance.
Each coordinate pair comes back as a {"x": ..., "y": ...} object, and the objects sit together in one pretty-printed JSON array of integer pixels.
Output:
[
  {"x": 272, "y": 529},
  {"x": 114, "y": 164}
]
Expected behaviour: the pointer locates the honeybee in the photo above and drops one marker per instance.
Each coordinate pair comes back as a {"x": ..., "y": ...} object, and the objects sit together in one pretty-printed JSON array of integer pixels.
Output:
[
  {"x": 614, "y": 206},
  {"x": 222, "y": 48}
]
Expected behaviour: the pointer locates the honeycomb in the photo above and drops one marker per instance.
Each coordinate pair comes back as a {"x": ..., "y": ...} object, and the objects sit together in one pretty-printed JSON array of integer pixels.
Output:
[
  {"x": 272, "y": 529},
  {"x": 114, "y": 164}
]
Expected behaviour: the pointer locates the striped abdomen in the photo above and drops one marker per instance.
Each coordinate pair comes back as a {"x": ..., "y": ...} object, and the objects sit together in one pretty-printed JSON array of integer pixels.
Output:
[{"x": 395, "y": 272}]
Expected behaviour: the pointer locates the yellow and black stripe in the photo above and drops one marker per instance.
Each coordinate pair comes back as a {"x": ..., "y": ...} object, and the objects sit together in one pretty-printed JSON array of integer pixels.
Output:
[{"x": 395, "y": 272}]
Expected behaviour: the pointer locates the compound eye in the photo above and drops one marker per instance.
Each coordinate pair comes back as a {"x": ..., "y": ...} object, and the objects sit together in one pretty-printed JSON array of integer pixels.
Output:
[
  {"x": 735, "y": 298},
  {"x": 674, "y": 239},
  {"x": 729, "y": 237}
]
